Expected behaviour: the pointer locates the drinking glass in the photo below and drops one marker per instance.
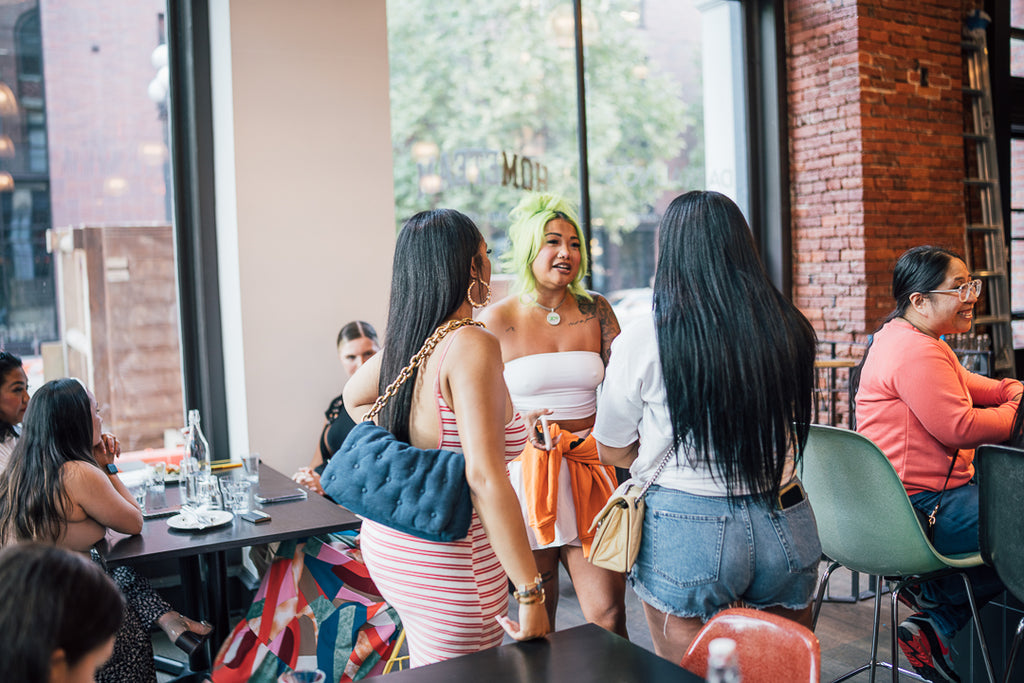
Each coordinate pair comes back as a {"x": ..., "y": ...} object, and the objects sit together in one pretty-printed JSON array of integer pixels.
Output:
[
  {"x": 157, "y": 475},
  {"x": 210, "y": 497},
  {"x": 303, "y": 676},
  {"x": 251, "y": 466},
  {"x": 236, "y": 494},
  {"x": 139, "y": 493},
  {"x": 189, "y": 481}
]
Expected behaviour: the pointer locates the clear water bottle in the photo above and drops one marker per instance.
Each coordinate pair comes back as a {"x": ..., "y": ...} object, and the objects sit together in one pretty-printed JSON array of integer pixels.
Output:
[
  {"x": 196, "y": 445},
  {"x": 723, "y": 662}
]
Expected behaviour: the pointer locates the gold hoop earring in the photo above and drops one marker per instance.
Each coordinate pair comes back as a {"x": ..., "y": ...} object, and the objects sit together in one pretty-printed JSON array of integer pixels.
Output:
[{"x": 469, "y": 294}]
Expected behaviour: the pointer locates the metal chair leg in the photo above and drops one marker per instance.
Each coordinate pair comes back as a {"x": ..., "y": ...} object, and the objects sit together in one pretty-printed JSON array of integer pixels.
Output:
[
  {"x": 894, "y": 641},
  {"x": 820, "y": 594},
  {"x": 977, "y": 622},
  {"x": 873, "y": 662},
  {"x": 1013, "y": 651}
]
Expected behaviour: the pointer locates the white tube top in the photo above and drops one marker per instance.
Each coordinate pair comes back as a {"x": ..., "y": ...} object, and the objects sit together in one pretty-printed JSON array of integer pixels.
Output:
[{"x": 565, "y": 382}]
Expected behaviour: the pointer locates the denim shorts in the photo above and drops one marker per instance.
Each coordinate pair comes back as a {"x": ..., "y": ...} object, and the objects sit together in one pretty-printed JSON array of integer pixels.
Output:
[{"x": 698, "y": 555}]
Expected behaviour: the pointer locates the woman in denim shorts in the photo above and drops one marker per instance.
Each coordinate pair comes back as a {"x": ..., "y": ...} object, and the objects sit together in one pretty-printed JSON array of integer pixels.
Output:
[{"x": 717, "y": 383}]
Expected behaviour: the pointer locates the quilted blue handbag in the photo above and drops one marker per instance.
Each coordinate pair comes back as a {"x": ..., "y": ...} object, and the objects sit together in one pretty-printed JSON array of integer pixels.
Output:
[{"x": 421, "y": 492}]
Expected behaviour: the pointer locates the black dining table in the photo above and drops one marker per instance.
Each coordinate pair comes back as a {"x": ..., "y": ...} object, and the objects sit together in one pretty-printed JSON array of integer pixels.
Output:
[
  {"x": 585, "y": 653},
  {"x": 202, "y": 555}
]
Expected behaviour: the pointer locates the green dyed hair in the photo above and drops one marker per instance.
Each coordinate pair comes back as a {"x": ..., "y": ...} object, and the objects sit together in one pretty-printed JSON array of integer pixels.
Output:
[{"x": 526, "y": 233}]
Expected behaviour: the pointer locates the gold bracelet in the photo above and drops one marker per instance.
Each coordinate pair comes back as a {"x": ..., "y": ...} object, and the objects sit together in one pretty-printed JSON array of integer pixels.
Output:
[
  {"x": 536, "y": 599},
  {"x": 529, "y": 593}
]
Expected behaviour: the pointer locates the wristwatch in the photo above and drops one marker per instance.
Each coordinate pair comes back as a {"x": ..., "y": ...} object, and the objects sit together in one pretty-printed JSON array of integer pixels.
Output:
[{"x": 112, "y": 468}]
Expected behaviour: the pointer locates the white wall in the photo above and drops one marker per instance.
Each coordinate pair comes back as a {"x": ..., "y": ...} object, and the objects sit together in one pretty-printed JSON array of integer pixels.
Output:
[{"x": 305, "y": 206}]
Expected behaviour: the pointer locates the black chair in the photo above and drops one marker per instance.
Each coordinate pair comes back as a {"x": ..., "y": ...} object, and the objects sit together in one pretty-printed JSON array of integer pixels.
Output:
[{"x": 1000, "y": 472}]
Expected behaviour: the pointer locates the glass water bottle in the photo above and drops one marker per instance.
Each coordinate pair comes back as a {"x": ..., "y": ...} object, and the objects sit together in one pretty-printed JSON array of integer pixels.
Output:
[{"x": 196, "y": 445}]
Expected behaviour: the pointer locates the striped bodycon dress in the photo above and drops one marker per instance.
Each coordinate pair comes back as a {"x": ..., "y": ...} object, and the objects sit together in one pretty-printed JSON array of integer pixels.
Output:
[{"x": 447, "y": 594}]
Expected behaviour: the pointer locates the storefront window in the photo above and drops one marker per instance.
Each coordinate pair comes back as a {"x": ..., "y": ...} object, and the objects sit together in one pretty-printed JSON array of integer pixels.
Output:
[
  {"x": 1017, "y": 237},
  {"x": 1017, "y": 181},
  {"x": 87, "y": 274},
  {"x": 484, "y": 106}
]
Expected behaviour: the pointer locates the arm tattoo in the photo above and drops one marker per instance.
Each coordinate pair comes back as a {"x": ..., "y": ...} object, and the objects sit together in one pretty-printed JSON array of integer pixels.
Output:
[
  {"x": 609, "y": 327},
  {"x": 587, "y": 307}
]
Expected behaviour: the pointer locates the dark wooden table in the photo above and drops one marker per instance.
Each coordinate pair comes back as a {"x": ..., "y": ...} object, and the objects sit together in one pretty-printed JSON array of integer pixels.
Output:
[
  {"x": 202, "y": 555},
  {"x": 585, "y": 653}
]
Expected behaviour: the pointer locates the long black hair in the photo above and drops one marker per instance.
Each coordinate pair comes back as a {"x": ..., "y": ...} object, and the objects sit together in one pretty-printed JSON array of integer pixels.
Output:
[
  {"x": 8, "y": 363},
  {"x": 918, "y": 269},
  {"x": 52, "y": 599},
  {"x": 737, "y": 357},
  {"x": 57, "y": 429},
  {"x": 430, "y": 278}
]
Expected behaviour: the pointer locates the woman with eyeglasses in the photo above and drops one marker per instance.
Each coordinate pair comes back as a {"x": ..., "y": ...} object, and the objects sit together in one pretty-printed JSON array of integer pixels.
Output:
[{"x": 927, "y": 413}]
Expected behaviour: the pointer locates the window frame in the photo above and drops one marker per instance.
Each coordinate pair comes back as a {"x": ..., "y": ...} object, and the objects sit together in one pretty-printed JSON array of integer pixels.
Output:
[{"x": 190, "y": 119}]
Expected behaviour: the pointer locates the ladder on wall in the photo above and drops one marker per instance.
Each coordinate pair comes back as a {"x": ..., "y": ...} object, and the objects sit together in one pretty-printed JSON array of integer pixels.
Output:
[{"x": 985, "y": 251}]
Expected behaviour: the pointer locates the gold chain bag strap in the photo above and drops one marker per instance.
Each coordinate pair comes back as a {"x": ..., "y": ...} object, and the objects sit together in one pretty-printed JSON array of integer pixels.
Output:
[
  {"x": 620, "y": 524},
  {"x": 418, "y": 491},
  {"x": 428, "y": 348}
]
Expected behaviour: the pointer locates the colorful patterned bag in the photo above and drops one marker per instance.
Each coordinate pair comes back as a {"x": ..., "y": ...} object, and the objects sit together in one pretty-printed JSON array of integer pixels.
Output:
[{"x": 316, "y": 608}]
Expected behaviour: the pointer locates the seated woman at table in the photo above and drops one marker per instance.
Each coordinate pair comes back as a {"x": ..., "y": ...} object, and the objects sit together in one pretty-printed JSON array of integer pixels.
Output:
[
  {"x": 58, "y": 614},
  {"x": 555, "y": 339},
  {"x": 61, "y": 487},
  {"x": 357, "y": 343},
  {"x": 452, "y": 597},
  {"x": 710, "y": 396},
  {"x": 13, "y": 401},
  {"x": 927, "y": 413}
]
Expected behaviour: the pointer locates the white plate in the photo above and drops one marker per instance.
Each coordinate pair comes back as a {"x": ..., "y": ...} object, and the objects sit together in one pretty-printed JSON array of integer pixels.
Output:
[{"x": 214, "y": 517}]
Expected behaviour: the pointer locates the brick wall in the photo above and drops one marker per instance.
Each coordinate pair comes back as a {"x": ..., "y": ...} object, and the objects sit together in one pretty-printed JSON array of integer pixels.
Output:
[
  {"x": 876, "y": 149},
  {"x": 106, "y": 139}
]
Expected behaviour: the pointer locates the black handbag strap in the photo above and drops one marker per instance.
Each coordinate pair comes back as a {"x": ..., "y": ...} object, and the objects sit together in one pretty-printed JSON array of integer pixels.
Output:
[
  {"x": 931, "y": 516},
  {"x": 416, "y": 360}
]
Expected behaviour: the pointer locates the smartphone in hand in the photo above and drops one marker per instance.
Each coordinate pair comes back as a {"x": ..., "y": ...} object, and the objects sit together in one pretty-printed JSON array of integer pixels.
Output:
[{"x": 541, "y": 432}]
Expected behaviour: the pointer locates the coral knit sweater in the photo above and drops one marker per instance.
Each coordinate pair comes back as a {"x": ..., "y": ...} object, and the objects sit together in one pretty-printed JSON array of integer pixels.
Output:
[{"x": 920, "y": 406}]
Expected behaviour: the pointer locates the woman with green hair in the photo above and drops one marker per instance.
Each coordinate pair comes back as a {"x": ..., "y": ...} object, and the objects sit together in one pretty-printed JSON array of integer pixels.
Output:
[{"x": 555, "y": 341}]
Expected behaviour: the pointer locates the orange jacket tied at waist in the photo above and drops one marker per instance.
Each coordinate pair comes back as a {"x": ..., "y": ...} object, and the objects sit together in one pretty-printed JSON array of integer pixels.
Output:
[{"x": 591, "y": 482}]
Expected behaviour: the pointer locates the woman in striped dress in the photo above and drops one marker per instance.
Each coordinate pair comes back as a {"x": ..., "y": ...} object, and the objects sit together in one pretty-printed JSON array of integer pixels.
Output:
[{"x": 451, "y": 596}]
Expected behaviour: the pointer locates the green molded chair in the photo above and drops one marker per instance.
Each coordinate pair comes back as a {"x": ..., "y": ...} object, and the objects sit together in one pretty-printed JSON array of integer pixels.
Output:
[
  {"x": 1000, "y": 524},
  {"x": 867, "y": 524}
]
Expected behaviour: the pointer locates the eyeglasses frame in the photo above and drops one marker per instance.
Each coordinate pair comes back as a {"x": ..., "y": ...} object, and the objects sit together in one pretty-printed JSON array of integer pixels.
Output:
[{"x": 963, "y": 291}]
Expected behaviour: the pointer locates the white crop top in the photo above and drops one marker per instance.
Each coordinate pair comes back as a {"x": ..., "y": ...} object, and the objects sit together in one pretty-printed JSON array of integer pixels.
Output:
[{"x": 565, "y": 382}]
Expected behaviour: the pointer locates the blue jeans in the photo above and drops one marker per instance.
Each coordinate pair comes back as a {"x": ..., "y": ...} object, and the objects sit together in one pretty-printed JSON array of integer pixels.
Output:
[
  {"x": 699, "y": 554},
  {"x": 956, "y": 531}
]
